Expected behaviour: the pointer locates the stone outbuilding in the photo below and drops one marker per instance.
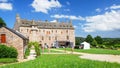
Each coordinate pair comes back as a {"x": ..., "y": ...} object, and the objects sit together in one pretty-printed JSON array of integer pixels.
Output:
[{"x": 13, "y": 38}]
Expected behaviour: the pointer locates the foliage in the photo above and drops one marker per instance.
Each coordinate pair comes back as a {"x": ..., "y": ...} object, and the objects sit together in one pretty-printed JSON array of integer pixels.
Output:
[
  {"x": 7, "y": 52},
  {"x": 79, "y": 40},
  {"x": 27, "y": 52},
  {"x": 30, "y": 44},
  {"x": 89, "y": 39},
  {"x": 36, "y": 46},
  {"x": 62, "y": 61},
  {"x": 2, "y": 23},
  {"x": 99, "y": 39},
  {"x": 8, "y": 60},
  {"x": 94, "y": 43}
]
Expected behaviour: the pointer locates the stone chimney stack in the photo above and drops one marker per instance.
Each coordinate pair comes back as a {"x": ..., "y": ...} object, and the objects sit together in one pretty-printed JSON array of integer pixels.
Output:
[
  {"x": 17, "y": 18},
  {"x": 46, "y": 21}
]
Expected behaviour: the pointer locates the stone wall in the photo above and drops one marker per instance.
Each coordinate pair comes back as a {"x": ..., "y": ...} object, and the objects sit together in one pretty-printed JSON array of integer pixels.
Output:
[
  {"x": 13, "y": 40},
  {"x": 48, "y": 36}
]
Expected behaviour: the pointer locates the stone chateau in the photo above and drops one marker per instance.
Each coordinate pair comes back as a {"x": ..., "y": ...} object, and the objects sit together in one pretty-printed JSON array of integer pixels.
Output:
[{"x": 47, "y": 33}]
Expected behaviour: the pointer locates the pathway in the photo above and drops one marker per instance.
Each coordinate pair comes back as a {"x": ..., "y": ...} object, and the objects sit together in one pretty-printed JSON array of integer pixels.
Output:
[
  {"x": 99, "y": 57},
  {"x": 32, "y": 55}
]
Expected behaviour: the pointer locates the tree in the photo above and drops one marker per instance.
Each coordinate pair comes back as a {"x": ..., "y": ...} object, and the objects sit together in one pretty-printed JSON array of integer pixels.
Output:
[
  {"x": 99, "y": 40},
  {"x": 79, "y": 40},
  {"x": 89, "y": 39},
  {"x": 94, "y": 43},
  {"x": 2, "y": 23}
]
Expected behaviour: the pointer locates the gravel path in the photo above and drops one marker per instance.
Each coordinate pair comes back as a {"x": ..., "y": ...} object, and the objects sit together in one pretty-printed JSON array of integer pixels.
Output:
[{"x": 99, "y": 57}]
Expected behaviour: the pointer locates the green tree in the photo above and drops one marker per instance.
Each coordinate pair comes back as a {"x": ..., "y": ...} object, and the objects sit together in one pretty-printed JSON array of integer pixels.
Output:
[
  {"x": 99, "y": 39},
  {"x": 89, "y": 39},
  {"x": 2, "y": 23},
  {"x": 79, "y": 40},
  {"x": 94, "y": 43}
]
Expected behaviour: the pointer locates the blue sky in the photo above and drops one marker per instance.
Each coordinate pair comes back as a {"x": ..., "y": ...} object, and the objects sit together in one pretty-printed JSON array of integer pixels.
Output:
[{"x": 95, "y": 17}]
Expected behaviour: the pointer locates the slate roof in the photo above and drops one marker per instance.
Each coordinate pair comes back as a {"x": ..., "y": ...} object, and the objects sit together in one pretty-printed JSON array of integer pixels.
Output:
[
  {"x": 18, "y": 34},
  {"x": 43, "y": 24}
]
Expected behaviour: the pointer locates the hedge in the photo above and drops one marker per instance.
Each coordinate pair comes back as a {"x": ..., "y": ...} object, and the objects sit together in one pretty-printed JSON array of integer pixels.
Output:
[{"x": 7, "y": 52}]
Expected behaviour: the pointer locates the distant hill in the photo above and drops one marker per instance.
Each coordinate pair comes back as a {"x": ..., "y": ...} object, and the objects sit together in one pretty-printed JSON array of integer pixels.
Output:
[{"x": 79, "y": 40}]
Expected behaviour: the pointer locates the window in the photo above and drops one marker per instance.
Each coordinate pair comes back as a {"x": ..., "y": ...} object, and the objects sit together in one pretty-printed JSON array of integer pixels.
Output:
[
  {"x": 42, "y": 38},
  {"x": 43, "y": 30},
  {"x": 61, "y": 32},
  {"x": 48, "y": 32},
  {"x": 49, "y": 38},
  {"x": 66, "y": 31},
  {"x": 56, "y": 31},
  {"x": 3, "y": 38},
  {"x": 52, "y": 31},
  {"x": 27, "y": 30},
  {"x": 30, "y": 31},
  {"x": 55, "y": 38},
  {"x": 67, "y": 37}
]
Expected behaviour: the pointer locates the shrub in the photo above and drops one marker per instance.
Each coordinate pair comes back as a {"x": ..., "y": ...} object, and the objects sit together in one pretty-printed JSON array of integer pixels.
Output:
[
  {"x": 8, "y": 52},
  {"x": 37, "y": 48},
  {"x": 76, "y": 47},
  {"x": 27, "y": 52},
  {"x": 103, "y": 46}
]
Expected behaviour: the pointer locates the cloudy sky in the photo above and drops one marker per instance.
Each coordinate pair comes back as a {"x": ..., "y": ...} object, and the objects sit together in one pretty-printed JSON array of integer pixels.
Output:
[{"x": 95, "y": 17}]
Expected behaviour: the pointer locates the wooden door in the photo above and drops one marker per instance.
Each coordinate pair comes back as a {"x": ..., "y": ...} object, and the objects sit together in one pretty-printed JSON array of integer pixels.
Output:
[{"x": 3, "y": 38}]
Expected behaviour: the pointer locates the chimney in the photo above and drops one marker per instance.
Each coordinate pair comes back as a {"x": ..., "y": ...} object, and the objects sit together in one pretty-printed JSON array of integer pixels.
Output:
[
  {"x": 46, "y": 21},
  {"x": 17, "y": 18}
]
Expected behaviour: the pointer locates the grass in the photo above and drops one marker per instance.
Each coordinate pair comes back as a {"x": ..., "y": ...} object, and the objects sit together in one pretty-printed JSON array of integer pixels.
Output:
[
  {"x": 7, "y": 60},
  {"x": 51, "y": 51},
  {"x": 62, "y": 61},
  {"x": 95, "y": 51}
]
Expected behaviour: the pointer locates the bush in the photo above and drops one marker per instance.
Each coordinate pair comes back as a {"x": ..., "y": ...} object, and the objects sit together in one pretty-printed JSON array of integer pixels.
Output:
[
  {"x": 37, "y": 48},
  {"x": 8, "y": 60},
  {"x": 77, "y": 47},
  {"x": 103, "y": 46},
  {"x": 27, "y": 52},
  {"x": 8, "y": 52}
]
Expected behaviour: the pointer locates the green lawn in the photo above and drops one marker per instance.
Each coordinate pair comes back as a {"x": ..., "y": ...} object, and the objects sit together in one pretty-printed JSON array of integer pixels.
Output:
[
  {"x": 7, "y": 60},
  {"x": 96, "y": 51},
  {"x": 62, "y": 61},
  {"x": 51, "y": 51}
]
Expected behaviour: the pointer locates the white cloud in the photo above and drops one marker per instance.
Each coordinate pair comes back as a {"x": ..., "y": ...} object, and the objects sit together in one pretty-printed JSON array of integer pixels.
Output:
[
  {"x": 68, "y": 17},
  {"x": 75, "y": 26},
  {"x": 115, "y": 7},
  {"x": 98, "y": 10},
  {"x": 6, "y": 6},
  {"x": 53, "y": 21},
  {"x": 3, "y": 0},
  {"x": 45, "y": 5},
  {"x": 68, "y": 3},
  {"x": 105, "y": 22}
]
